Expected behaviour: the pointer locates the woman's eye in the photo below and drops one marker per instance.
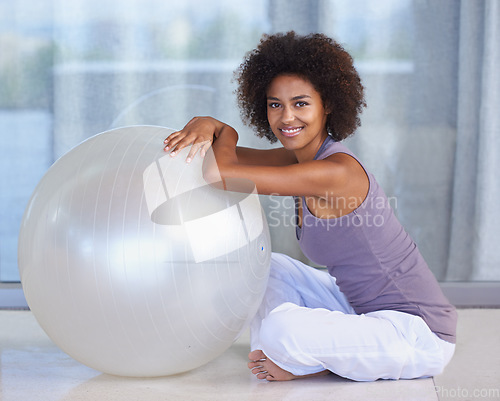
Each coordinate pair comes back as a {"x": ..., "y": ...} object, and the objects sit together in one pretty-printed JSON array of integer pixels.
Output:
[
  {"x": 301, "y": 104},
  {"x": 274, "y": 105}
]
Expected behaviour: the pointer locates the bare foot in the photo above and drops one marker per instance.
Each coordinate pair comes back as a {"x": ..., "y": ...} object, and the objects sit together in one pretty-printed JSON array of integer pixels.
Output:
[{"x": 264, "y": 368}]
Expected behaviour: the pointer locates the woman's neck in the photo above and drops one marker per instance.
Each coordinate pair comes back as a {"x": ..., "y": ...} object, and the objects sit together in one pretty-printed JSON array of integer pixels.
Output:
[{"x": 308, "y": 152}]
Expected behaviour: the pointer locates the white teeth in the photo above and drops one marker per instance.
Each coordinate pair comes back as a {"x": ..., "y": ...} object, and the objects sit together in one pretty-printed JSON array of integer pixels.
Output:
[{"x": 291, "y": 131}]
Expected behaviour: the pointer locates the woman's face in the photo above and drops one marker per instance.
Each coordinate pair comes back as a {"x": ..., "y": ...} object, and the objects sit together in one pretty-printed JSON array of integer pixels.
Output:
[{"x": 295, "y": 112}]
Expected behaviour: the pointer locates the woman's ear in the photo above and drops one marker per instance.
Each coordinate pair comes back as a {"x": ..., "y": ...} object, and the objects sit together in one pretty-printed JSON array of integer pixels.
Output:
[{"x": 328, "y": 109}]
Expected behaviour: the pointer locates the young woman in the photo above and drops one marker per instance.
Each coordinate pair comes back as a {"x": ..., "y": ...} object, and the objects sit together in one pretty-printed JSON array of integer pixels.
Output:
[{"x": 379, "y": 312}]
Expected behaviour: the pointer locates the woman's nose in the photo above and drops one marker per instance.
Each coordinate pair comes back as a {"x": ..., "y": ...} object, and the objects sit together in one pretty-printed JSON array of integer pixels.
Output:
[{"x": 287, "y": 115}]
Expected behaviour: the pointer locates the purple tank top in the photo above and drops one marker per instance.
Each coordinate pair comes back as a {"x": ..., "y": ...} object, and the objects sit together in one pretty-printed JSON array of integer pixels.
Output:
[{"x": 375, "y": 262}]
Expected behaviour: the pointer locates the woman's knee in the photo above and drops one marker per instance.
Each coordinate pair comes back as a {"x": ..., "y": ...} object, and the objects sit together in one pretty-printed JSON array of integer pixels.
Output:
[
  {"x": 278, "y": 327},
  {"x": 288, "y": 270},
  {"x": 281, "y": 265}
]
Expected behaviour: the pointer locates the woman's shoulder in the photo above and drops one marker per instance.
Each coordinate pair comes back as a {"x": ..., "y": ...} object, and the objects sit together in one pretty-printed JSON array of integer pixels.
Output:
[{"x": 331, "y": 147}]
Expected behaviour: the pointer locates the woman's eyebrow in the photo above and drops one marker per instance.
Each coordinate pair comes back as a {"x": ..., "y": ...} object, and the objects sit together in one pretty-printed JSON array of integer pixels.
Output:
[{"x": 299, "y": 97}]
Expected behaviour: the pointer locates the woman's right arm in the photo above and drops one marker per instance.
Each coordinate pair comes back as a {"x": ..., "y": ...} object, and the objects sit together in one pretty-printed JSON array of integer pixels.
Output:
[
  {"x": 265, "y": 157},
  {"x": 272, "y": 171},
  {"x": 201, "y": 132}
]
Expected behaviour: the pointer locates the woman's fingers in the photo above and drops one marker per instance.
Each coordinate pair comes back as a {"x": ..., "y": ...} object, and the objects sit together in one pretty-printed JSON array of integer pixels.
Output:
[
  {"x": 202, "y": 147},
  {"x": 205, "y": 147},
  {"x": 199, "y": 132},
  {"x": 178, "y": 142},
  {"x": 170, "y": 141}
]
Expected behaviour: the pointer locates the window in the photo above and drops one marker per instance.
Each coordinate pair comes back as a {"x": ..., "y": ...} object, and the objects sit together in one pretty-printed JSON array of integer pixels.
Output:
[{"x": 69, "y": 71}]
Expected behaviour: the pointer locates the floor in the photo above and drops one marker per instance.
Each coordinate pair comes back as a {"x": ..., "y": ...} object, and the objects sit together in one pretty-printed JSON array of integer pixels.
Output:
[{"x": 32, "y": 368}]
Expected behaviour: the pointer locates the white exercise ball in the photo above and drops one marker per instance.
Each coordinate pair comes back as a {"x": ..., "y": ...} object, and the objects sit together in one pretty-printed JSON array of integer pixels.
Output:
[{"x": 132, "y": 264}]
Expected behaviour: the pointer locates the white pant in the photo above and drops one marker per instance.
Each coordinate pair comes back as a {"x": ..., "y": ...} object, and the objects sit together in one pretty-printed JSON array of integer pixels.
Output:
[{"x": 306, "y": 325}]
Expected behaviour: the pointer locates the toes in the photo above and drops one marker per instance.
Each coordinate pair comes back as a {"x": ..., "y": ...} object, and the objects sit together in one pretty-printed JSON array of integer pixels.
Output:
[
  {"x": 254, "y": 364},
  {"x": 263, "y": 375},
  {"x": 257, "y": 364},
  {"x": 256, "y": 355},
  {"x": 258, "y": 369}
]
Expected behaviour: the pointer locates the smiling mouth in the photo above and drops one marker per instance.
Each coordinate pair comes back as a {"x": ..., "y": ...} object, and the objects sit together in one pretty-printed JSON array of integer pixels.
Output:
[{"x": 289, "y": 132}]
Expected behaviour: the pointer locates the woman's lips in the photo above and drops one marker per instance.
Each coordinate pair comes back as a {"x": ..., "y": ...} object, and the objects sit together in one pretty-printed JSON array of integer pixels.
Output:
[{"x": 290, "y": 131}]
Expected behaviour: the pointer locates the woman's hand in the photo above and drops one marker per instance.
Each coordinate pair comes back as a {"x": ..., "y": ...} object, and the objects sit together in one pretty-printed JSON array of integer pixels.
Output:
[{"x": 200, "y": 132}]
